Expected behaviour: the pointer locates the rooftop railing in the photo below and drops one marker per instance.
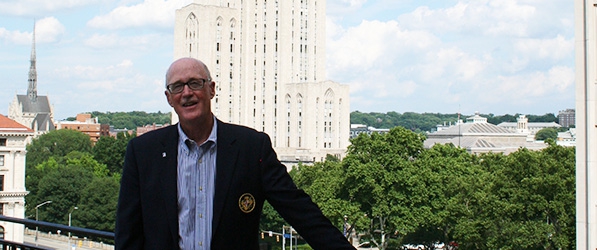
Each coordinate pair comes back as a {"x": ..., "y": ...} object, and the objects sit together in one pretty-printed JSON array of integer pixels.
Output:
[{"x": 79, "y": 231}]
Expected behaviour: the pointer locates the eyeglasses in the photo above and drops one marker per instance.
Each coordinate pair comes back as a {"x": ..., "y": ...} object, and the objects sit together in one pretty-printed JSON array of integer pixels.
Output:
[{"x": 178, "y": 87}]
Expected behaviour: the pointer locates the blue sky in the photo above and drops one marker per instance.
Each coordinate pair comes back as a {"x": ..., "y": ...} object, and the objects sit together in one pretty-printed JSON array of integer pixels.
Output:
[{"x": 444, "y": 56}]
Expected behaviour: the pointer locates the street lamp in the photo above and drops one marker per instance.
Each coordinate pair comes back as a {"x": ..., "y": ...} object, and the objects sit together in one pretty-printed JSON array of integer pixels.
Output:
[
  {"x": 69, "y": 221},
  {"x": 36, "y": 214}
]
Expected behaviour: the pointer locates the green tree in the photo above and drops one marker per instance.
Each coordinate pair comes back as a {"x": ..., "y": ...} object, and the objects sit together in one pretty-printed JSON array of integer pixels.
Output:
[
  {"x": 110, "y": 151},
  {"x": 533, "y": 200},
  {"x": 324, "y": 182},
  {"x": 382, "y": 180},
  {"x": 63, "y": 187},
  {"x": 454, "y": 185},
  {"x": 97, "y": 205},
  {"x": 56, "y": 143},
  {"x": 546, "y": 133},
  {"x": 61, "y": 180}
]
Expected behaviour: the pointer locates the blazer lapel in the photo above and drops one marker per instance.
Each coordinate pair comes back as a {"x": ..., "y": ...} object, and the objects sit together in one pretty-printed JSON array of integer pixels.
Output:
[
  {"x": 168, "y": 168},
  {"x": 225, "y": 167}
]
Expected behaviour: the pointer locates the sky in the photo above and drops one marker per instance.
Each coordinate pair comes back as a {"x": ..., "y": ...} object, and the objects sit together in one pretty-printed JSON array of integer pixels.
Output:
[{"x": 440, "y": 56}]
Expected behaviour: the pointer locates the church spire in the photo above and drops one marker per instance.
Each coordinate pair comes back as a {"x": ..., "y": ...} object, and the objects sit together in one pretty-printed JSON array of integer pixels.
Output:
[{"x": 32, "y": 89}]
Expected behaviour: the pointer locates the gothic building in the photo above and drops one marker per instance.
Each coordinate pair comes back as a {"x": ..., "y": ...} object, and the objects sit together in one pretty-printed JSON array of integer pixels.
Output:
[
  {"x": 32, "y": 110},
  {"x": 268, "y": 61}
]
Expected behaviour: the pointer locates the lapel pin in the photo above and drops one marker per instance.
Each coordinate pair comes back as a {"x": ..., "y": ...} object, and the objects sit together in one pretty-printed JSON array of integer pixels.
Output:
[{"x": 163, "y": 154}]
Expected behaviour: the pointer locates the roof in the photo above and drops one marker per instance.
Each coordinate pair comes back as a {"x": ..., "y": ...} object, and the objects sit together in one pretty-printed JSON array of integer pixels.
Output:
[
  {"x": 42, "y": 110},
  {"x": 9, "y": 125},
  {"x": 42, "y": 105},
  {"x": 532, "y": 124},
  {"x": 473, "y": 128}
]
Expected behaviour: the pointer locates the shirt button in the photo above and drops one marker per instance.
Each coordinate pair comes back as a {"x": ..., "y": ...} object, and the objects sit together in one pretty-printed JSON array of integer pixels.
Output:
[
  {"x": 200, "y": 215},
  {"x": 200, "y": 160},
  {"x": 200, "y": 188}
]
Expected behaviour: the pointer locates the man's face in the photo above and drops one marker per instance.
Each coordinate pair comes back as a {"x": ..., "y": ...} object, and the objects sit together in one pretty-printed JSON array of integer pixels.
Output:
[{"x": 190, "y": 105}]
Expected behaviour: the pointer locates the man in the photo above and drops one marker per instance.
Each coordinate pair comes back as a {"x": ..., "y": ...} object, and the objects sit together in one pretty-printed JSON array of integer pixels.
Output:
[{"x": 201, "y": 183}]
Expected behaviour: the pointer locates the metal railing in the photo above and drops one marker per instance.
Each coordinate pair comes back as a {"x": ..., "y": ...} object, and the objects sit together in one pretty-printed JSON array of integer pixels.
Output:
[{"x": 91, "y": 233}]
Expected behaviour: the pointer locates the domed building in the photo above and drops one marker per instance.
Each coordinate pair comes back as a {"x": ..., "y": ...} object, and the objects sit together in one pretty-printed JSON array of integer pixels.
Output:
[{"x": 479, "y": 136}]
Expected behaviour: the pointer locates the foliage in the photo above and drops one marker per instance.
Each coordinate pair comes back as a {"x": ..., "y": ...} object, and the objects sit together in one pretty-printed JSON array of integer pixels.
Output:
[
  {"x": 98, "y": 202},
  {"x": 131, "y": 120},
  {"x": 384, "y": 183},
  {"x": 546, "y": 133},
  {"x": 63, "y": 187},
  {"x": 110, "y": 151},
  {"x": 394, "y": 192},
  {"x": 388, "y": 189},
  {"x": 429, "y": 121},
  {"x": 454, "y": 187},
  {"x": 70, "y": 178},
  {"x": 56, "y": 143}
]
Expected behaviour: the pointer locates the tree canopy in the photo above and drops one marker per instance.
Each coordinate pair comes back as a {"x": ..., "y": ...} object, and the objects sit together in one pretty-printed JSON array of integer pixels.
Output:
[{"x": 429, "y": 121}]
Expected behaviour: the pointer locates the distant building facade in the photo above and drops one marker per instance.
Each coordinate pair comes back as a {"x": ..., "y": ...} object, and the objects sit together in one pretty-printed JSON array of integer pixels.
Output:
[
  {"x": 357, "y": 129},
  {"x": 147, "y": 128},
  {"x": 14, "y": 138},
  {"x": 523, "y": 126},
  {"x": 85, "y": 124},
  {"x": 479, "y": 136},
  {"x": 567, "y": 138},
  {"x": 32, "y": 110},
  {"x": 567, "y": 118},
  {"x": 268, "y": 61}
]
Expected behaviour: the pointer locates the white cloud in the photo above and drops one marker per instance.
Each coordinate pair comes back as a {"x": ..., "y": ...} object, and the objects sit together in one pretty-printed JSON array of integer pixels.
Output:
[
  {"x": 15, "y": 36},
  {"x": 97, "y": 73},
  {"x": 556, "y": 48},
  {"x": 47, "y": 30},
  {"x": 149, "y": 13},
  {"x": 493, "y": 18},
  {"x": 374, "y": 44},
  {"x": 344, "y": 6},
  {"x": 525, "y": 87},
  {"x": 116, "y": 41},
  {"x": 478, "y": 53},
  {"x": 40, "y": 7}
]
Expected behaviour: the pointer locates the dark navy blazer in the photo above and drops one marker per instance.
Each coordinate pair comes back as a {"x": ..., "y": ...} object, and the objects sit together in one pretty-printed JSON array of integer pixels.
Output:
[{"x": 247, "y": 173}]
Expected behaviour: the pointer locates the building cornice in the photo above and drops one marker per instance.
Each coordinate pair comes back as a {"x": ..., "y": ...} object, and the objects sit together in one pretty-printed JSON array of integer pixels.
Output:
[{"x": 13, "y": 194}]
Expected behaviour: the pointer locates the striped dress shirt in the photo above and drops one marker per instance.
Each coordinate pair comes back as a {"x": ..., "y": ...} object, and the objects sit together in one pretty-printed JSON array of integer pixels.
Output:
[{"x": 196, "y": 188}]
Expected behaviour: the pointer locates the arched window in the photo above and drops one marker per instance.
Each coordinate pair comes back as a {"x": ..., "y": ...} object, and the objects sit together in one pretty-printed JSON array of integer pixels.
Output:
[
  {"x": 328, "y": 112},
  {"x": 299, "y": 124},
  {"x": 191, "y": 25}
]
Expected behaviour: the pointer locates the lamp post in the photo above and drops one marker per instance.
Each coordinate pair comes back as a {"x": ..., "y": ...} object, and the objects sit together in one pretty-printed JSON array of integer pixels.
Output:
[
  {"x": 36, "y": 214},
  {"x": 69, "y": 221}
]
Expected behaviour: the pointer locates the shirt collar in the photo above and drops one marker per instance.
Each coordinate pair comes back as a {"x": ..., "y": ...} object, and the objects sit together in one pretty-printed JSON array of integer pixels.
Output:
[{"x": 213, "y": 136}]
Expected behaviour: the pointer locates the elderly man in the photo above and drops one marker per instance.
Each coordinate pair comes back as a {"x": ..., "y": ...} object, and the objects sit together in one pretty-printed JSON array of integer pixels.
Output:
[{"x": 201, "y": 183}]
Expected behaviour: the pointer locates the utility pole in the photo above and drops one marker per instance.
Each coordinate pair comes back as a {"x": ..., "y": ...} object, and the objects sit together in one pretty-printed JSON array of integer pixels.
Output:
[{"x": 36, "y": 214}]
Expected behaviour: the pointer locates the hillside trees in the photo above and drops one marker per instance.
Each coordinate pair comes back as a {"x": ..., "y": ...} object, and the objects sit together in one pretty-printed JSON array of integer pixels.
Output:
[
  {"x": 131, "y": 120},
  {"x": 429, "y": 121}
]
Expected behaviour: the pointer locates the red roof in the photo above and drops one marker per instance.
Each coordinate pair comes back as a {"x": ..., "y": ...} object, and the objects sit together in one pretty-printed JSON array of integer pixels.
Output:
[{"x": 9, "y": 125}]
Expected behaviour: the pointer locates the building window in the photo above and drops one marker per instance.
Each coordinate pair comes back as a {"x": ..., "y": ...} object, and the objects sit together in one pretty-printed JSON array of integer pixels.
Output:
[
  {"x": 2, "y": 142},
  {"x": 1, "y": 182},
  {"x": 1, "y": 160}
]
